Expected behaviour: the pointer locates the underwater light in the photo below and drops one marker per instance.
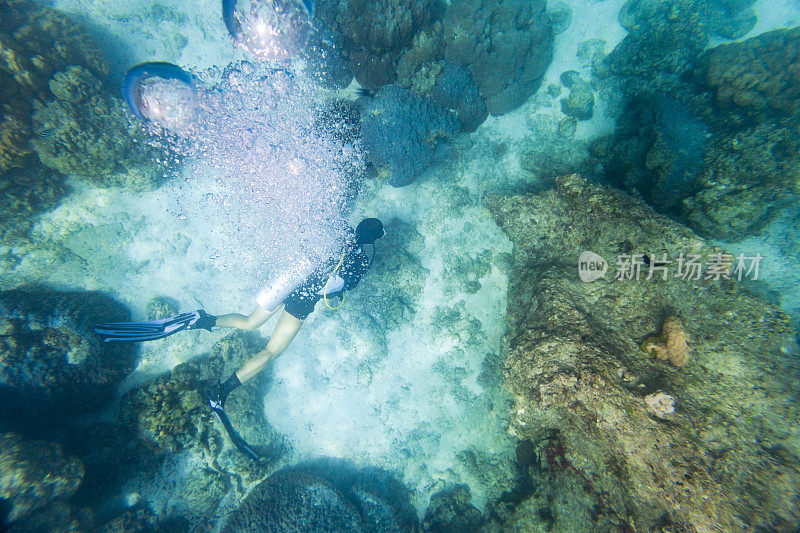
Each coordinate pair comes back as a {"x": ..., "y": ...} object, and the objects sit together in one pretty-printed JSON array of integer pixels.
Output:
[
  {"x": 269, "y": 29},
  {"x": 161, "y": 93}
]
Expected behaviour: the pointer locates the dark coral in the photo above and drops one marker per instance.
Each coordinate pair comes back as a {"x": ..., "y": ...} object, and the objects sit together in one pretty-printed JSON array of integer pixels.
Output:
[
  {"x": 35, "y": 474},
  {"x": 375, "y": 33},
  {"x": 326, "y": 495},
  {"x": 451, "y": 511},
  {"x": 403, "y": 133},
  {"x": 506, "y": 45},
  {"x": 744, "y": 98},
  {"x": 455, "y": 90},
  {"x": 51, "y": 363},
  {"x": 26, "y": 192},
  {"x": 665, "y": 39},
  {"x": 754, "y": 80},
  {"x": 657, "y": 151}
]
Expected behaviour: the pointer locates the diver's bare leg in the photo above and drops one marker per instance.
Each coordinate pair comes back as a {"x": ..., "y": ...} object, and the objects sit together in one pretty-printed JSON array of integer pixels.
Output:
[
  {"x": 285, "y": 330},
  {"x": 254, "y": 321}
]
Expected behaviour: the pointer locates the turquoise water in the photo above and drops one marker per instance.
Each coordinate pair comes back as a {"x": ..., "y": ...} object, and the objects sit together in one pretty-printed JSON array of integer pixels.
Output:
[{"x": 583, "y": 315}]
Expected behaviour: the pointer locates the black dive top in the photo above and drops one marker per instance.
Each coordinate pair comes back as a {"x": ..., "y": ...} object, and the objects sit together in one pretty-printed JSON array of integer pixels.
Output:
[{"x": 355, "y": 263}]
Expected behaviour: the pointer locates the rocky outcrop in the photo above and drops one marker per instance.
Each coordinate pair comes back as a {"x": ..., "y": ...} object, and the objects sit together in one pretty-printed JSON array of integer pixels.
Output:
[
  {"x": 35, "y": 475},
  {"x": 326, "y": 495},
  {"x": 51, "y": 363},
  {"x": 711, "y": 141},
  {"x": 618, "y": 438}
]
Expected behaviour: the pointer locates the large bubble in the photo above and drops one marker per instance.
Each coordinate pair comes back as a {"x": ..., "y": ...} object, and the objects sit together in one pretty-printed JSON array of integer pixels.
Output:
[
  {"x": 269, "y": 29},
  {"x": 162, "y": 94},
  {"x": 268, "y": 181}
]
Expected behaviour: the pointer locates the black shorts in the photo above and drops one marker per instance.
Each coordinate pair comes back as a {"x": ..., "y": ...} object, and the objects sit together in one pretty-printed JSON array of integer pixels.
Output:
[{"x": 301, "y": 302}]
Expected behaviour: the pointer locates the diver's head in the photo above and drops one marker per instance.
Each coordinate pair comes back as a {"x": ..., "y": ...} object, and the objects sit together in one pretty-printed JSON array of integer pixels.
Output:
[
  {"x": 163, "y": 94},
  {"x": 369, "y": 230}
]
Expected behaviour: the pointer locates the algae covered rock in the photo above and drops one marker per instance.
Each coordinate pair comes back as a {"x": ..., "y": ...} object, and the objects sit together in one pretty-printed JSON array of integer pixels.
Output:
[
  {"x": 603, "y": 456},
  {"x": 35, "y": 474},
  {"x": 51, "y": 363},
  {"x": 172, "y": 418},
  {"x": 326, "y": 495},
  {"x": 580, "y": 101},
  {"x": 171, "y": 413}
]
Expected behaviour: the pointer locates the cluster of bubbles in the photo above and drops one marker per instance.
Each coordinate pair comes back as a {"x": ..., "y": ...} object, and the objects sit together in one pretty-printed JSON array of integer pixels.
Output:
[
  {"x": 282, "y": 181},
  {"x": 269, "y": 29}
]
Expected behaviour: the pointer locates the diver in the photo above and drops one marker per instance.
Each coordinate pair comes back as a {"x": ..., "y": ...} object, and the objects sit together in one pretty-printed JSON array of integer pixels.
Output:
[{"x": 296, "y": 301}]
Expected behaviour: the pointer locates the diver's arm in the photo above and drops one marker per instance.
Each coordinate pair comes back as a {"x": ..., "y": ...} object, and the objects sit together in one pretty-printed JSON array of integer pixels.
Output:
[{"x": 248, "y": 323}]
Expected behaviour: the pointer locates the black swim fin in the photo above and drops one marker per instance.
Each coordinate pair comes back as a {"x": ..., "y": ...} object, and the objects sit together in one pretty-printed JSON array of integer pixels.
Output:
[
  {"x": 154, "y": 329},
  {"x": 237, "y": 439}
]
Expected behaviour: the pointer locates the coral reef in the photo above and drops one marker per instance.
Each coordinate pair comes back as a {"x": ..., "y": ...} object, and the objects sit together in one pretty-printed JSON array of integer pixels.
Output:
[
  {"x": 505, "y": 44},
  {"x": 170, "y": 411},
  {"x": 753, "y": 80},
  {"x": 657, "y": 151},
  {"x": 84, "y": 131},
  {"x": 340, "y": 121},
  {"x": 671, "y": 345},
  {"x": 402, "y": 133},
  {"x": 55, "y": 103},
  {"x": 51, "y": 363},
  {"x": 714, "y": 142},
  {"x": 326, "y": 495},
  {"x": 170, "y": 415},
  {"x": 600, "y": 460},
  {"x": 375, "y": 33},
  {"x": 35, "y": 43},
  {"x": 561, "y": 16},
  {"x": 454, "y": 89},
  {"x": 580, "y": 101},
  {"x": 35, "y": 475},
  {"x": 664, "y": 40}
]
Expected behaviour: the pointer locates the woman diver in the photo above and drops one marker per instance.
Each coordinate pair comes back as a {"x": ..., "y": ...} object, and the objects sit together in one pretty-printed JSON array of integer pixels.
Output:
[{"x": 164, "y": 95}]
